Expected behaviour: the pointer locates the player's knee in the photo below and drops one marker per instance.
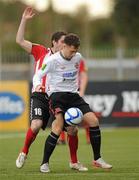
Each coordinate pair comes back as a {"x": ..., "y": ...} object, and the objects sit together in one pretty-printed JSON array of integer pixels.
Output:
[
  {"x": 36, "y": 125},
  {"x": 72, "y": 130},
  {"x": 95, "y": 119},
  {"x": 91, "y": 119},
  {"x": 57, "y": 129}
]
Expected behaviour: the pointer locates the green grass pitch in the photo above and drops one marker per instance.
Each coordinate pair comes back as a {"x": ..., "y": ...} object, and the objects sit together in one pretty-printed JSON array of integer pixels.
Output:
[{"x": 120, "y": 147}]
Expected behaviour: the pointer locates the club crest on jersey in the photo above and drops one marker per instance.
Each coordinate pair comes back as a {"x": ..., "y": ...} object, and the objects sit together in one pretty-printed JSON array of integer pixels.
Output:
[
  {"x": 76, "y": 65},
  {"x": 43, "y": 67}
]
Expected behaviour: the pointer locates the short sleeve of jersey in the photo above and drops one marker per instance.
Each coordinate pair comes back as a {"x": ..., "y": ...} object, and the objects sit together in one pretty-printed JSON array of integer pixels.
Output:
[
  {"x": 49, "y": 64},
  {"x": 83, "y": 67},
  {"x": 38, "y": 51}
]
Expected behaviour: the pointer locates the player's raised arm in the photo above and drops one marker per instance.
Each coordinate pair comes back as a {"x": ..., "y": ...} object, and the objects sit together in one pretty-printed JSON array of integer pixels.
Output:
[{"x": 25, "y": 44}]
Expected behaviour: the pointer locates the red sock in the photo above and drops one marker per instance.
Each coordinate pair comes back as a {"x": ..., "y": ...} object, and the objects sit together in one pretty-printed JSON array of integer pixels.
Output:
[
  {"x": 30, "y": 137},
  {"x": 73, "y": 146},
  {"x": 62, "y": 136}
]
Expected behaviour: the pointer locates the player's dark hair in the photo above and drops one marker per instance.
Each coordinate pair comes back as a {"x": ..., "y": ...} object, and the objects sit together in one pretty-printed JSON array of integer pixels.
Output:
[
  {"x": 72, "y": 40},
  {"x": 57, "y": 35}
]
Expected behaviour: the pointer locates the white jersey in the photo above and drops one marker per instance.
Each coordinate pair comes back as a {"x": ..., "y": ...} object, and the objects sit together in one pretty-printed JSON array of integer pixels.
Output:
[{"x": 62, "y": 74}]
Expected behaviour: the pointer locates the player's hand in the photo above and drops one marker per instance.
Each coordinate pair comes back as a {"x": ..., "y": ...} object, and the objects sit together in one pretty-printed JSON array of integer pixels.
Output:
[
  {"x": 81, "y": 94},
  {"x": 28, "y": 13},
  {"x": 39, "y": 88}
]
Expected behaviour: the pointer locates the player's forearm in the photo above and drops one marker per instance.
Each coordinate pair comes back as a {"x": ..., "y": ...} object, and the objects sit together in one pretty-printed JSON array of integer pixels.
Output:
[
  {"x": 83, "y": 84},
  {"x": 37, "y": 77},
  {"x": 42, "y": 72},
  {"x": 20, "y": 36},
  {"x": 36, "y": 80},
  {"x": 82, "y": 89},
  {"x": 21, "y": 31}
]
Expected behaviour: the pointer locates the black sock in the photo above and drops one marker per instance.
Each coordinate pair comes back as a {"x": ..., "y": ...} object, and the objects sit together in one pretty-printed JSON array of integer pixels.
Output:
[
  {"x": 95, "y": 139},
  {"x": 50, "y": 144}
]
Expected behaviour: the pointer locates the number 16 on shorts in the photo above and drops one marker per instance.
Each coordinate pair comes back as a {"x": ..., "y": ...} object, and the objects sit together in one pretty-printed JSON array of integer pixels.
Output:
[{"x": 38, "y": 111}]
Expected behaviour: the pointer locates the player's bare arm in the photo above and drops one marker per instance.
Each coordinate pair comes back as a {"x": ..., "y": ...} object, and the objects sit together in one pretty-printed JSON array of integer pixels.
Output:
[
  {"x": 83, "y": 83},
  {"x": 25, "y": 44}
]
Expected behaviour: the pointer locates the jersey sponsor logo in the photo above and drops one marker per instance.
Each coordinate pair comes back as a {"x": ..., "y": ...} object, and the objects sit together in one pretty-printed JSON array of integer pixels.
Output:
[
  {"x": 69, "y": 80},
  {"x": 11, "y": 106},
  {"x": 43, "y": 67},
  {"x": 69, "y": 74}
]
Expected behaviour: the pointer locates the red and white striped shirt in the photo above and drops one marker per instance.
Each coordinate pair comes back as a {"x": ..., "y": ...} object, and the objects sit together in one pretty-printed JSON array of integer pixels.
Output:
[{"x": 39, "y": 52}]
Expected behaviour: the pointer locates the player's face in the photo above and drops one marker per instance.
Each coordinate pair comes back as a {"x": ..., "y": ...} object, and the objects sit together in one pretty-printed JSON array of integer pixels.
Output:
[
  {"x": 69, "y": 51},
  {"x": 59, "y": 44}
]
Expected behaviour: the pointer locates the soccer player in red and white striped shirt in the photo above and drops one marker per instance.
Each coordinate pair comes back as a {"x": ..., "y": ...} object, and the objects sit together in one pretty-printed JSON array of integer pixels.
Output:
[{"x": 39, "y": 100}]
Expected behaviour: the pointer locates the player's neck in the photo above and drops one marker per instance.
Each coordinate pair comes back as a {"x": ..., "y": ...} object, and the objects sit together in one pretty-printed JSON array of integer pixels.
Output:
[
  {"x": 53, "y": 50},
  {"x": 63, "y": 56}
]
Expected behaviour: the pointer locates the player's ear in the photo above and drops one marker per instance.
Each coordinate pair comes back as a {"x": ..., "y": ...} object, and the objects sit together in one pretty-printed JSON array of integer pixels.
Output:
[
  {"x": 64, "y": 45},
  {"x": 52, "y": 42}
]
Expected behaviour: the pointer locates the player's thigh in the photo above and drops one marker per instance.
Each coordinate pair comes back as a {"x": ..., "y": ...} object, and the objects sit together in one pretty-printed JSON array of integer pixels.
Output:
[
  {"x": 39, "y": 110},
  {"x": 89, "y": 118},
  {"x": 79, "y": 102},
  {"x": 58, "y": 102}
]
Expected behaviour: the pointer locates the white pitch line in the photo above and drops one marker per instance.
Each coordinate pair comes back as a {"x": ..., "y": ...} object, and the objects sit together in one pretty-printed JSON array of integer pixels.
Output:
[
  {"x": 49, "y": 174},
  {"x": 42, "y": 133},
  {"x": 17, "y": 135}
]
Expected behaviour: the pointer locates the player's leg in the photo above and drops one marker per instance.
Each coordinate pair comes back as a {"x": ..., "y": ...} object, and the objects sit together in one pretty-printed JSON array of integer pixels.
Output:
[
  {"x": 39, "y": 116},
  {"x": 57, "y": 103},
  {"x": 91, "y": 120},
  {"x": 51, "y": 142},
  {"x": 62, "y": 138},
  {"x": 72, "y": 139},
  {"x": 86, "y": 127},
  {"x": 87, "y": 135},
  {"x": 30, "y": 137},
  {"x": 95, "y": 140},
  {"x": 95, "y": 136},
  {"x": 31, "y": 134}
]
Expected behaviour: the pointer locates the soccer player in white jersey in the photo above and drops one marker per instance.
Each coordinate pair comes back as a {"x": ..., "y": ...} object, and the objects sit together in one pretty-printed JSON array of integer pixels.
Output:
[
  {"x": 39, "y": 100},
  {"x": 83, "y": 81},
  {"x": 62, "y": 70}
]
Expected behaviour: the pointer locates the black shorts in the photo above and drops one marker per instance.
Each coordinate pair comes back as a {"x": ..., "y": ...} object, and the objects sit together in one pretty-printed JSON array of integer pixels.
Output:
[
  {"x": 61, "y": 101},
  {"x": 39, "y": 108}
]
